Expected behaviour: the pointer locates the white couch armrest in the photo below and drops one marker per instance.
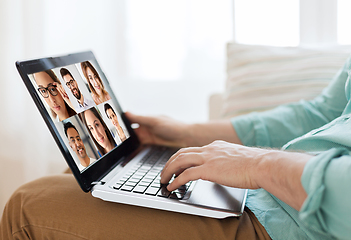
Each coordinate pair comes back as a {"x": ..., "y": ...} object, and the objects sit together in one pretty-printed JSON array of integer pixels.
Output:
[{"x": 215, "y": 106}]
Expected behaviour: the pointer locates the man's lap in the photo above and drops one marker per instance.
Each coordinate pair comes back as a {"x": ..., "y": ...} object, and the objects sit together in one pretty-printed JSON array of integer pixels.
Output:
[{"x": 55, "y": 207}]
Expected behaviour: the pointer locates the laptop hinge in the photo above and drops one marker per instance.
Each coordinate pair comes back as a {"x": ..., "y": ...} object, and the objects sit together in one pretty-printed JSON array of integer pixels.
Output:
[{"x": 98, "y": 183}]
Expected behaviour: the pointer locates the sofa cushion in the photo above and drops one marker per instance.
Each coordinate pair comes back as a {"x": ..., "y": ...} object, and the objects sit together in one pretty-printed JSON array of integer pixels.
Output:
[{"x": 262, "y": 77}]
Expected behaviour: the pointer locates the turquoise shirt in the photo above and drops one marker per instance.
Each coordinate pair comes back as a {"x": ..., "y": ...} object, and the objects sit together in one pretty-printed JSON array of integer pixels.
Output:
[{"x": 321, "y": 127}]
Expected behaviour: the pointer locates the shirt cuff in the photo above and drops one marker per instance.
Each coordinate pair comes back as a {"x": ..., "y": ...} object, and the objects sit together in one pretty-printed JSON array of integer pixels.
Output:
[
  {"x": 312, "y": 180},
  {"x": 251, "y": 130}
]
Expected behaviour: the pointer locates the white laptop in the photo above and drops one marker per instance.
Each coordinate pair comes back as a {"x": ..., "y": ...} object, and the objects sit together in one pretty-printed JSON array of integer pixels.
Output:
[{"x": 99, "y": 145}]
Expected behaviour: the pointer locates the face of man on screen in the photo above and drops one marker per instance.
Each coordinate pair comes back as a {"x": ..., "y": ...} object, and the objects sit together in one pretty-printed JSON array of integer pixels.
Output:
[
  {"x": 72, "y": 85},
  {"x": 76, "y": 143}
]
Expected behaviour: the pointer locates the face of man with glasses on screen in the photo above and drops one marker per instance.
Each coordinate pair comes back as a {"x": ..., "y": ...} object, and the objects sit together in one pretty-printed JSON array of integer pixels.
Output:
[{"x": 71, "y": 83}]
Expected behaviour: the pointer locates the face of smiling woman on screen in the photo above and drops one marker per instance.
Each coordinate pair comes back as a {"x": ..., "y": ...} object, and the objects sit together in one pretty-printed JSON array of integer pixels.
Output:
[
  {"x": 98, "y": 130},
  {"x": 94, "y": 81}
]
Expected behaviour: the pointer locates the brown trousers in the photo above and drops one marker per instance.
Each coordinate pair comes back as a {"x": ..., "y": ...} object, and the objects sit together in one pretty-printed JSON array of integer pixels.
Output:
[{"x": 56, "y": 208}]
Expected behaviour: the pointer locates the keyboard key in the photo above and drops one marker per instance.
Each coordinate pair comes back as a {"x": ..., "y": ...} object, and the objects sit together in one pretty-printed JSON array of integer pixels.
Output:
[
  {"x": 149, "y": 180},
  {"x": 145, "y": 184},
  {"x": 151, "y": 175},
  {"x": 141, "y": 171},
  {"x": 138, "y": 175},
  {"x": 139, "y": 189},
  {"x": 121, "y": 182},
  {"x": 130, "y": 172},
  {"x": 163, "y": 192},
  {"x": 180, "y": 190},
  {"x": 134, "y": 179},
  {"x": 144, "y": 168},
  {"x": 151, "y": 191},
  {"x": 132, "y": 184},
  {"x": 127, "y": 188},
  {"x": 177, "y": 195},
  {"x": 158, "y": 167},
  {"x": 156, "y": 184},
  {"x": 117, "y": 186},
  {"x": 124, "y": 178}
]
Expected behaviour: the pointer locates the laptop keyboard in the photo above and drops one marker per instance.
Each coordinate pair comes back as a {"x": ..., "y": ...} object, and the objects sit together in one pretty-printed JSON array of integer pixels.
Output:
[{"x": 144, "y": 177}]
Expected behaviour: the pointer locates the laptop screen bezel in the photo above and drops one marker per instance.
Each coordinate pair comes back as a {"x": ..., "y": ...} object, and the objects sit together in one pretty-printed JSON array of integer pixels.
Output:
[{"x": 98, "y": 170}]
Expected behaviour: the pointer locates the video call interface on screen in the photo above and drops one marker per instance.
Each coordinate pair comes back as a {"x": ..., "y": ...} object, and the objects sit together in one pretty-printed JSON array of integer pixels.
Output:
[{"x": 78, "y": 101}]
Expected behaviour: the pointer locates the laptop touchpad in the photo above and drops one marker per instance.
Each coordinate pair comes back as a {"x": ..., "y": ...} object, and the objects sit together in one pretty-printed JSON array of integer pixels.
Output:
[{"x": 213, "y": 195}]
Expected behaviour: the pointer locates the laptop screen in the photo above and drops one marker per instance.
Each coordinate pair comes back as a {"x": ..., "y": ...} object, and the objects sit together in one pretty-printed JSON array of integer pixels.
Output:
[{"x": 81, "y": 111}]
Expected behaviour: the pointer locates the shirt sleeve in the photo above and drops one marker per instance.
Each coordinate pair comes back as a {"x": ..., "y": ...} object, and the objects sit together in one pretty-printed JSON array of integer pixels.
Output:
[
  {"x": 326, "y": 179},
  {"x": 276, "y": 127}
]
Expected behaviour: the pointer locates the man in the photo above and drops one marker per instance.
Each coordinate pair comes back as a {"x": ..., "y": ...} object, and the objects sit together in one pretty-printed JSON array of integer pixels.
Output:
[
  {"x": 110, "y": 113},
  {"x": 71, "y": 83},
  {"x": 76, "y": 143},
  {"x": 302, "y": 191}
]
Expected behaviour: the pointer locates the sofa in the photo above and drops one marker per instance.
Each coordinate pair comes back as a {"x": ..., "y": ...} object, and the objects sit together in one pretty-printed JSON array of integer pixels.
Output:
[{"x": 262, "y": 77}]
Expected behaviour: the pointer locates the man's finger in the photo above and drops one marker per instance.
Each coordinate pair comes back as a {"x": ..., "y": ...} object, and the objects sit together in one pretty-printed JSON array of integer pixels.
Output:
[
  {"x": 190, "y": 174},
  {"x": 180, "y": 164},
  {"x": 182, "y": 151}
]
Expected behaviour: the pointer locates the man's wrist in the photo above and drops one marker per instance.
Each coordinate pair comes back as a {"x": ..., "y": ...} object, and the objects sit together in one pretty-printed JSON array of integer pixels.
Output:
[
  {"x": 262, "y": 167},
  {"x": 190, "y": 138},
  {"x": 200, "y": 134},
  {"x": 279, "y": 173}
]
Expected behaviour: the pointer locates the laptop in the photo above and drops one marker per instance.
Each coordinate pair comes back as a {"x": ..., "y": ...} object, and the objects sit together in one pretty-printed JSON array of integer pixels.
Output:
[{"x": 100, "y": 146}]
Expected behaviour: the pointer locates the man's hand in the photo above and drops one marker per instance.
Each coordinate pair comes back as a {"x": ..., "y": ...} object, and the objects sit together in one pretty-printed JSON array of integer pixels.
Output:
[
  {"x": 221, "y": 162},
  {"x": 169, "y": 132},
  {"x": 238, "y": 166},
  {"x": 160, "y": 130}
]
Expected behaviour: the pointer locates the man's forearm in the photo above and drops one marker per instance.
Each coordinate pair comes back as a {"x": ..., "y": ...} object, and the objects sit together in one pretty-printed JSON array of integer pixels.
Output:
[
  {"x": 205, "y": 133},
  {"x": 233, "y": 165},
  {"x": 279, "y": 173}
]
